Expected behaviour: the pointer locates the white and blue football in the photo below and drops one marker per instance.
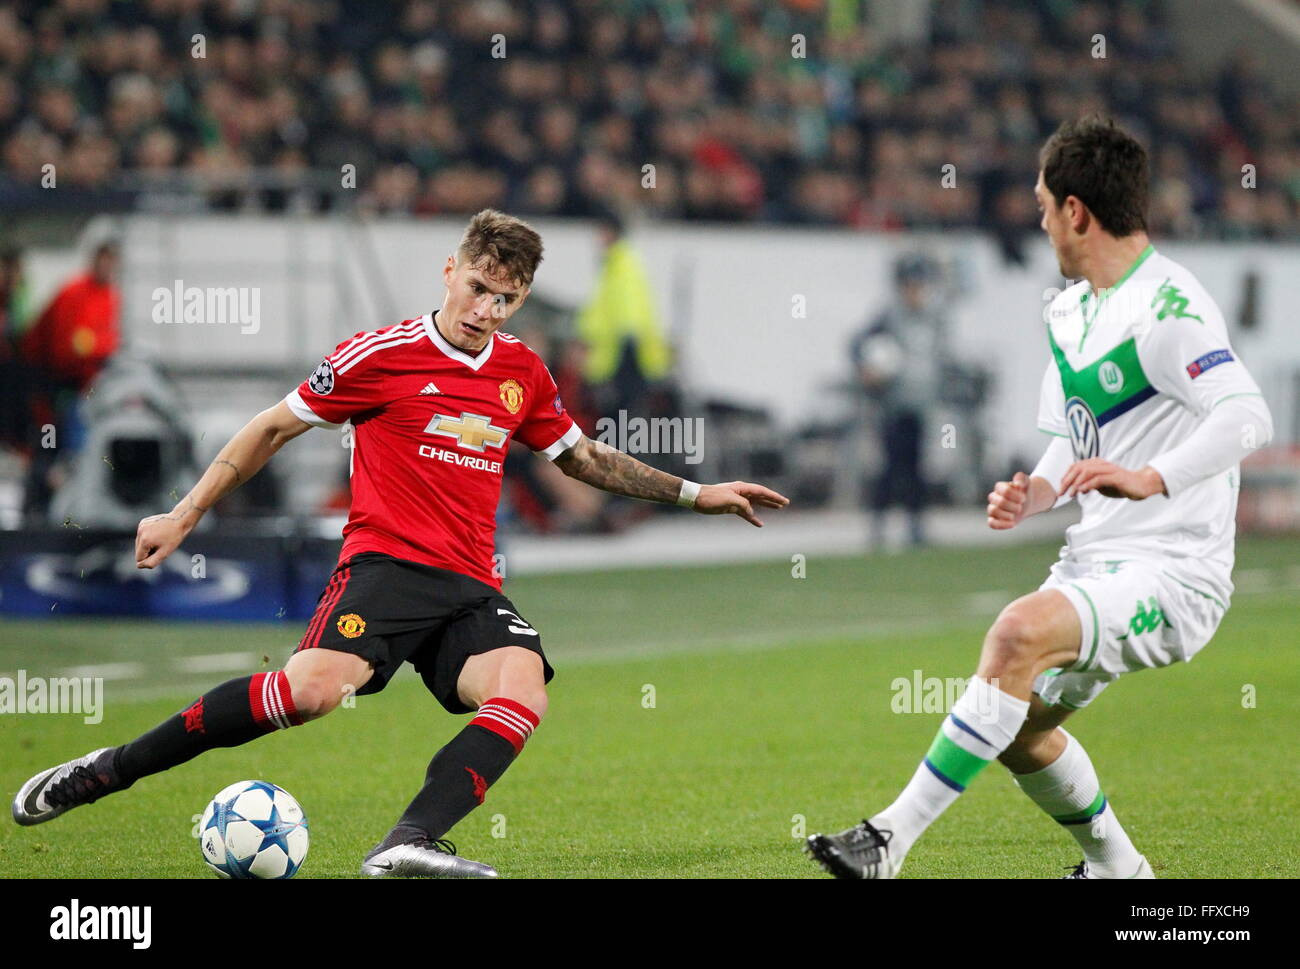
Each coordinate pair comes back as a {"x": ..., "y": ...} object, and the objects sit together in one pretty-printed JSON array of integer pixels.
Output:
[{"x": 253, "y": 829}]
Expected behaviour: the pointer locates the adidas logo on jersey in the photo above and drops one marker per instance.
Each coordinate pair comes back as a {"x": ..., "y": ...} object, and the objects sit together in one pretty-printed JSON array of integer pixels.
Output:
[{"x": 430, "y": 388}]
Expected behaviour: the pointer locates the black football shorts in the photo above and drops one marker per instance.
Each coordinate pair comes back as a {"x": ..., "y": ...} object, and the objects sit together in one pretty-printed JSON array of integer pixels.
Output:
[{"x": 389, "y": 611}]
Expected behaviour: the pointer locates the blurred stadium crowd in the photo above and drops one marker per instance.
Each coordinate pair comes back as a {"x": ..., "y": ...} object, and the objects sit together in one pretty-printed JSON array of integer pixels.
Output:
[{"x": 855, "y": 133}]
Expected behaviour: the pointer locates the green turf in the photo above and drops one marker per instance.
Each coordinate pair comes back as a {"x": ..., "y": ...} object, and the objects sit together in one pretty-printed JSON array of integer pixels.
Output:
[{"x": 772, "y": 703}]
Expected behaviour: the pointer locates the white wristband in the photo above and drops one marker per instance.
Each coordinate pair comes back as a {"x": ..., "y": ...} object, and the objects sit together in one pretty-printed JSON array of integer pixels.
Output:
[{"x": 690, "y": 491}]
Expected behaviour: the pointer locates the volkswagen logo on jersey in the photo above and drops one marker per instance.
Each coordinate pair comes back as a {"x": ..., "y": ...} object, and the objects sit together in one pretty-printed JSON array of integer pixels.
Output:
[
  {"x": 321, "y": 380},
  {"x": 1085, "y": 436}
]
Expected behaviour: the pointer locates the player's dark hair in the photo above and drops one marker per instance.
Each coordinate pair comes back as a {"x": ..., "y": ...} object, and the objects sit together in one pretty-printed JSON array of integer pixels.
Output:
[
  {"x": 501, "y": 242},
  {"x": 1104, "y": 167}
]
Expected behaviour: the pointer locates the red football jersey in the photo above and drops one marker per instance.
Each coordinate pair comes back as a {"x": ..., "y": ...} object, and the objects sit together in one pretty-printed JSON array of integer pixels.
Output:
[{"x": 431, "y": 425}]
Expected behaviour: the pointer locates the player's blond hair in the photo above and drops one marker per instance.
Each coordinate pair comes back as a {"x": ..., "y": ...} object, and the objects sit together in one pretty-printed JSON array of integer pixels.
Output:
[{"x": 499, "y": 242}]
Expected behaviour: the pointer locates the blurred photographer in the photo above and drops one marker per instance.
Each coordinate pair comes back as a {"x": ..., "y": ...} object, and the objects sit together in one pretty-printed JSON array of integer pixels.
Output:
[{"x": 899, "y": 359}]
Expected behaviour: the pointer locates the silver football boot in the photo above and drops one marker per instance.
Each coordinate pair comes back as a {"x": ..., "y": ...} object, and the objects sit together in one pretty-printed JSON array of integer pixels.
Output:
[
  {"x": 425, "y": 858},
  {"x": 58, "y": 789}
]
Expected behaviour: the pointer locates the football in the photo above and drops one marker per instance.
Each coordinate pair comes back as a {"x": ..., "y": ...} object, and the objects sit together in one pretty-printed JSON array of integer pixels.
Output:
[
  {"x": 253, "y": 829},
  {"x": 884, "y": 355}
]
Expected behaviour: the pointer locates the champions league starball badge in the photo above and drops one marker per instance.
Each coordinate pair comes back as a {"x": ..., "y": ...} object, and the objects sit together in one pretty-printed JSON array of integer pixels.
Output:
[{"x": 322, "y": 379}]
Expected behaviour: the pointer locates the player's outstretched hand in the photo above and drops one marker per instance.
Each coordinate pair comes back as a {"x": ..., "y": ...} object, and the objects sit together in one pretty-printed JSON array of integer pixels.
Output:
[
  {"x": 737, "y": 498},
  {"x": 156, "y": 538},
  {"x": 1112, "y": 481},
  {"x": 1008, "y": 501}
]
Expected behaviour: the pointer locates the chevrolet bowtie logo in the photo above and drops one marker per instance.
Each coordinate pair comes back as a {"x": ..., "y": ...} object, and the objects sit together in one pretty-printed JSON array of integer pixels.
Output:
[{"x": 472, "y": 431}]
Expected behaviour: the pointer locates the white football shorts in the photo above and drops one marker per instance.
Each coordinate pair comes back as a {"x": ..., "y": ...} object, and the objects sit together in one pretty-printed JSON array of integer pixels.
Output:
[{"x": 1135, "y": 614}]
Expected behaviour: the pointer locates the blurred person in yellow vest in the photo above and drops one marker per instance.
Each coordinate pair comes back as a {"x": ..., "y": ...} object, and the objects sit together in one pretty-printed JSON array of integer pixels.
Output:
[{"x": 627, "y": 350}]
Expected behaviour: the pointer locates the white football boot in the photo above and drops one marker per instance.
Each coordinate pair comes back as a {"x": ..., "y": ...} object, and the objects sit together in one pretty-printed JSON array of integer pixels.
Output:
[{"x": 1081, "y": 870}]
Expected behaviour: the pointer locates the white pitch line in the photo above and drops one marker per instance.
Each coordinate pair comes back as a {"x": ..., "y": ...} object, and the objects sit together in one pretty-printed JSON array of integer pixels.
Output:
[
  {"x": 756, "y": 642},
  {"x": 689, "y": 646},
  {"x": 1257, "y": 581},
  {"x": 1253, "y": 580},
  {"x": 216, "y": 663},
  {"x": 988, "y": 603},
  {"x": 107, "y": 671}
]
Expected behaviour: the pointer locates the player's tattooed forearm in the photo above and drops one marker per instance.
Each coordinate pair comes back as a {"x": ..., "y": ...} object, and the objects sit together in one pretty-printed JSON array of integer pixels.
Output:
[
  {"x": 608, "y": 469},
  {"x": 190, "y": 505},
  {"x": 187, "y": 505},
  {"x": 239, "y": 478}
]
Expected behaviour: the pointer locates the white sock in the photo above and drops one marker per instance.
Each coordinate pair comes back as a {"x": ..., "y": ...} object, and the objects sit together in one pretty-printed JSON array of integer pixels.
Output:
[
  {"x": 1068, "y": 790},
  {"x": 982, "y": 724}
]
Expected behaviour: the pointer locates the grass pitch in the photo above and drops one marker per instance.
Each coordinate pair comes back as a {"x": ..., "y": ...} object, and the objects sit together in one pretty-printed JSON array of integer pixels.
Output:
[{"x": 701, "y": 720}]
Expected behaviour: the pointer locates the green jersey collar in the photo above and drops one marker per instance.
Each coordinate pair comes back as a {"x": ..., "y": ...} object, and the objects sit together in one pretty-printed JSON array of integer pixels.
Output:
[{"x": 1088, "y": 320}]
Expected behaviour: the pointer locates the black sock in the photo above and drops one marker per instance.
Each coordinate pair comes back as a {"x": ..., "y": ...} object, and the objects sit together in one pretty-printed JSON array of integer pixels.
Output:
[
  {"x": 233, "y": 713},
  {"x": 460, "y": 774}
]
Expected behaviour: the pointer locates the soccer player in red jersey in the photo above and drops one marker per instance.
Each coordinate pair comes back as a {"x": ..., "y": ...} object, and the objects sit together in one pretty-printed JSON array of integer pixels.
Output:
[{"x": 434, "y": 403}]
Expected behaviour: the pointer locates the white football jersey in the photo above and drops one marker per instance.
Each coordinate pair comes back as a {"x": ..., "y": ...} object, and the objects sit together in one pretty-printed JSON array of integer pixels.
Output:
[{"x": 1135, "y": 370}]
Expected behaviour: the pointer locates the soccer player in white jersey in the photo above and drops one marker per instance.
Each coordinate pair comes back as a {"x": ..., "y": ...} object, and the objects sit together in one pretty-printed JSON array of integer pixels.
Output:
[{"x": 1150, "y": 412}]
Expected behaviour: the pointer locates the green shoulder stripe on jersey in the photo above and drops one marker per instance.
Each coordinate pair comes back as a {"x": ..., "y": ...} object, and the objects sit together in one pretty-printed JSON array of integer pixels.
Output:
[
  {"x": 1096, "y": 307},
  {"x": 1110, "y": 386},
  {"x": 1244, "y": 393}
]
